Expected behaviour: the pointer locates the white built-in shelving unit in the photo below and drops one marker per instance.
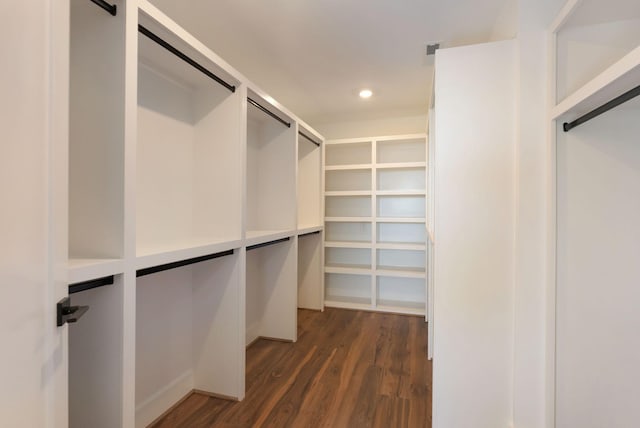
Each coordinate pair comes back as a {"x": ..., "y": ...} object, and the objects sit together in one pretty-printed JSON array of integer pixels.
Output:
[
  {"x": 375, "y": 213},
  {"x": 596, "y": 178},
  {"x": 195, "y": 217}
]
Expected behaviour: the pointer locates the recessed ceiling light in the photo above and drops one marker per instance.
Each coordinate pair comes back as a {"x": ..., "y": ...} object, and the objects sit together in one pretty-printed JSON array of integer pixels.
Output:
[{"x": 365, "y": 93}]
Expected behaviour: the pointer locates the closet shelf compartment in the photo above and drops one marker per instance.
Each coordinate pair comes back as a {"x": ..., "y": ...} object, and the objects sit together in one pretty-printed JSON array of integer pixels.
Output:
[
  {"x": 187, "y": 166},
  {"x": 619, "y": 78},
  {"x": 160, "y": 255},
  {"x": 80, "y": 270}
]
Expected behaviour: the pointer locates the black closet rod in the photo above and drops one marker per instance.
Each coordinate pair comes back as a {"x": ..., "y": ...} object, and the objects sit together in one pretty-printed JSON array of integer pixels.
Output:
[
  {"x": 602, "y": 109},
  {"x": 273, "y": 115},
  {"x": 111, "y": 8},
  {"x": 173, "y": 265},
  {"x": 184, "y": 57},
  {"x": 309, "y": 233},
  {"x": 88, "y": 285},
  {"x": 265, "y": 244},
  {"x": 309, "y": 138}
]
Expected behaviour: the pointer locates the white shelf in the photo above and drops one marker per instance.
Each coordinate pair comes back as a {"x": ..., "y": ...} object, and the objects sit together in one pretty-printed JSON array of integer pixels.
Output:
[
  {"x": 401, "y": 165},
  {"x": 347, "y": 244},
  {"x": 418, "y": 192},
  {"x": 399, "y": 220},
  {"x": 400, "y": 246},
  {"x": 80, "y": 270},
  {"x": 349, "y": 193},
  {"x": 348, "y": 167},
  {"x": 402, "y": 307},
  {"x": 348, "y": 303},
  {"x": 255, "y": 237},
  {"x": 400, "y": 272},
  {"x": 304, "y": 229},
  {"x": 188, "y": 249},
  {"x": 614, "y": 81},
  {"x": 348, "y": 219},
  {"x": 348, "y": 269}
]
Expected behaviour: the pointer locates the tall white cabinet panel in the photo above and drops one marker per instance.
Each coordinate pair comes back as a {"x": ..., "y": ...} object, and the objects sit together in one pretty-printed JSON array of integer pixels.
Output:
[
  {"x": 33, "y": 188},
  {"x": 597, "y": 347},
  {"x": 474, "y": 228}
]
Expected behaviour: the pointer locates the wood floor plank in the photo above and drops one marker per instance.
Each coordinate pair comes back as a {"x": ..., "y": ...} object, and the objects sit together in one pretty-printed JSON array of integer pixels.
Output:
[{"x": 348, "y": 369}]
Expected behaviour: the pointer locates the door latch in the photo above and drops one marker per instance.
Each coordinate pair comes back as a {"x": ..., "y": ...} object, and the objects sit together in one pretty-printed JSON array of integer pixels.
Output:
[{"x": 67, "y": 313}]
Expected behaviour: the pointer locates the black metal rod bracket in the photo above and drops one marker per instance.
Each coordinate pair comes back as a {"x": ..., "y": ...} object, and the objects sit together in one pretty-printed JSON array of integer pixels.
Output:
[
  {"x": 173, "y": 265},
  {"x": 266, "y": 244},
  {"x": 111, "y": 8},
  {"x": 88, "y": 285},
  {"x": 308, "y": 138},
  {"x": 269, "y": 112},
  {"x": 566, "y": 127},
  {"x": 146, "y": 32},
  {"x": 66, "y": 313}
]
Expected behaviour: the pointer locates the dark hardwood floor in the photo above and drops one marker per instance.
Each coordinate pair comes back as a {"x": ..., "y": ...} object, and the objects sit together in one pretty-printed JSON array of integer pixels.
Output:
[{"x": 349, "y": 369}]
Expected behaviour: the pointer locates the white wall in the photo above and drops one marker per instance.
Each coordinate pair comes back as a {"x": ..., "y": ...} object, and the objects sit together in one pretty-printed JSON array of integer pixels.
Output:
[
  {"x": 33, "y": 110},
  {"x": 474, "y": 233},
  {"x": 415, "y": 123},
  {"x": 533, "y": 223}
]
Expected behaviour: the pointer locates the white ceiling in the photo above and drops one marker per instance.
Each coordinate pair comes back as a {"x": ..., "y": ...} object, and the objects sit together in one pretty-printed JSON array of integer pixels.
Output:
[{"x": 314, "y": 56}]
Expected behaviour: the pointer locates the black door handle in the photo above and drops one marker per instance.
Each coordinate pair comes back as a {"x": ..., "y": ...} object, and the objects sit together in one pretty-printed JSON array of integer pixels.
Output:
[{"x": 67, "y": 313}]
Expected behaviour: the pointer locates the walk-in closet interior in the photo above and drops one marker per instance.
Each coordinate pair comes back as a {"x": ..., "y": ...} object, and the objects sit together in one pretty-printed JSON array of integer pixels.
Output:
[{"x": 296, "y": 207}]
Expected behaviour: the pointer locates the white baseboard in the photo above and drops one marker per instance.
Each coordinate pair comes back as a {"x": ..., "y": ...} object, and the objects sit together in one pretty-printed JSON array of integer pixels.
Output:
[{"x": 158, "y": 403}]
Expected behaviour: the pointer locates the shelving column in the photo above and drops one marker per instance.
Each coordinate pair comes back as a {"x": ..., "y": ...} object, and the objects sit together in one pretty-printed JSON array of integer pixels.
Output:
[
  {"x": 97, "y": 382},
  {"x": 310, "y": 222},
  {"x": 400, "y": 215},
  {"x": 348, "y": 223},
  {"x": 188, "y": 209},
  {"x": 271, "y": 221}
]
